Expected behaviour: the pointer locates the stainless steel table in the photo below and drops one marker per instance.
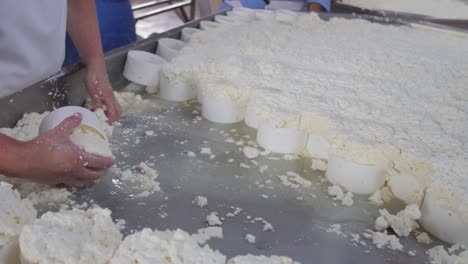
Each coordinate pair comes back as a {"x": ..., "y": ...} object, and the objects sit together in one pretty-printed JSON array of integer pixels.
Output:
[{"x": 300, "y": 216}]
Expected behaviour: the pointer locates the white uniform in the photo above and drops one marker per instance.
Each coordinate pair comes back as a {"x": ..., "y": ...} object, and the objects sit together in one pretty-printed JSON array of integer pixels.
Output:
[{"x": 32, "y": 42}]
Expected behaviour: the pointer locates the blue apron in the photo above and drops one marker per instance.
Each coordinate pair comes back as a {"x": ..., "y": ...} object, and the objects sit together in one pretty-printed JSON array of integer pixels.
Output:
[{"x": 116, "y": 25}]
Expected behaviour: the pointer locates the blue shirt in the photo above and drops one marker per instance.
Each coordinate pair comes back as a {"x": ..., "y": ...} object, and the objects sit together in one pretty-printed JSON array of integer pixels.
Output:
[{"x": 260, "y": 4}]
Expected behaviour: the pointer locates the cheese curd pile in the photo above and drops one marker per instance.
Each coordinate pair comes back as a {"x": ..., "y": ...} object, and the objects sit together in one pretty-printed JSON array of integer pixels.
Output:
[
  {"x": 454, "y": 9},
  {"x": 379, "y": 98}
]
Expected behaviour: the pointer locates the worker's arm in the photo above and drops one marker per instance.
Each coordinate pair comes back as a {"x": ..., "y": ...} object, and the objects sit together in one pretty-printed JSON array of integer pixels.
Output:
[
  {"x": 83, "y": 28},
  {"x": 319, "y": 5},
  {"x": 51, "y": 158}
]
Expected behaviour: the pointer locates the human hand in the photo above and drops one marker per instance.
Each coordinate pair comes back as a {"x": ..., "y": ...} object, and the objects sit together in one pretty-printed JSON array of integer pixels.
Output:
[
  {"x": 101, "y": 93},
  {"x": 315, "y": 7},
  {"x": 53, "y": 158}
]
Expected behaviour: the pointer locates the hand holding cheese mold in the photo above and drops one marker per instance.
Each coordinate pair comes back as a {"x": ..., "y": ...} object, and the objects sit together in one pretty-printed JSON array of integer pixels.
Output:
[
  {"x": 144, "y": 68},
  {"x": 89, "y": 135}
]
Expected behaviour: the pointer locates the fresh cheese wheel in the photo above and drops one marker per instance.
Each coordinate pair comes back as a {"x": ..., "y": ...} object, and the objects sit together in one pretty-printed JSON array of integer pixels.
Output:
[
  {"x": 177, "y": 247},
  {"x": 354, "y": 177},
  {"x": 441, "y": 215},
  {"x": 15, "y": 214},
  {"x": 70, "y": 236}
]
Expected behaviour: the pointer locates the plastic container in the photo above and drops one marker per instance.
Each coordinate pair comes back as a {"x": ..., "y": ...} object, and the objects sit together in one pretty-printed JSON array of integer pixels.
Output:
[
  {"x": 264, "y": 14},
  {"x": 187, "y": 33},
  {"x": 168, "y": 48},
  {"x": 143, "y": 68},
  {"x": 281, "y": 140},
  {"x": 442, "y": 222},
  {"x": 222, "y": 110},
  {"x": 406, "y": 188},
  {"x": 285, "y": 16},
  {"x": 205, "y": 25},
  {"x": 200, "y": 96},
  {"x": 89, "y": 120},
  {"x": 354, "y": 177},
  {"x": 250, "y": 118},
  {"x": 317, "y": 146},
  {"x": 176, "y": 90},
  {"x": 224, "y": 19}
]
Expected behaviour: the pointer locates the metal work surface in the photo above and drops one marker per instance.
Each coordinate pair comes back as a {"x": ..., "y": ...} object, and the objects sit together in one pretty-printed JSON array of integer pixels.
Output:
[
  {"x": 459, "y": 24},
  {"x": 299, "y": 216}
]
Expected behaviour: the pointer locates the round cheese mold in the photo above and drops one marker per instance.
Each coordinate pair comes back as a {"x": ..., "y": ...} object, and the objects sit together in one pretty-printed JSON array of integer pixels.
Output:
[
  {"x": 70, "y": 236},
  {"x": 441, "y": 221},
  {"x": 281, "y": 140},
  {"x": 187, "y": 33},
  {"x": 406, "y": 188},
  {"x": 143, "y": 68},
  {"x": 54, "y": 118},
  {"x": 204, "y": 25},
  {"x": 200, "y": 95},
  {"x": 250, "y": 118},
  {"x": 149, "y": 247},
  {"x": 168, "y": 48},
  {"x": 222, "y": 110},
  {"x": 354, "y": 177},
  {"x": 88, "y": 135},
  {"x": 15, "y": 214},
  {"x": 243, "y": 11},
  {"x": 221, "y": 19},
  {"x": 285, "y": 16},
  {"x": 317, "y": 146},
  {"x": 176, "y": 90},
  {"x": 264, "y": 14}
]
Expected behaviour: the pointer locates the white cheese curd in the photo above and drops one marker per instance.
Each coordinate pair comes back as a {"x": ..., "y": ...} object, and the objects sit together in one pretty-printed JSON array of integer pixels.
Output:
[
  {"x": 15, "y": 214},
  {"x": 70, "y": 236},
  {"x": 200, "y": 201},
  {"x": 371, "y": 126},
  {"x": 175, "y": 247}
]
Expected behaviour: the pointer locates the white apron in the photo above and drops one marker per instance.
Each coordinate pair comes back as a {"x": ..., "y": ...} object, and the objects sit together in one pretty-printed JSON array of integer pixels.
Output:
[{"x": 32, "y": 42}]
